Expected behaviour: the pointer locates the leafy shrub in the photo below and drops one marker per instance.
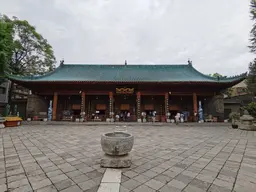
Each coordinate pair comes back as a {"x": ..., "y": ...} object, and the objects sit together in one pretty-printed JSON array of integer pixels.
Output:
[
  {"x": 234, "y": 115},
  {"x": 251, "y": 108}
]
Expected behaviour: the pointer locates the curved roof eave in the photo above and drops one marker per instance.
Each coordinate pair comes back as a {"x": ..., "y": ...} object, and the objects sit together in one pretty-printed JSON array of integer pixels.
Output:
[{"x": 118, "y": 73}]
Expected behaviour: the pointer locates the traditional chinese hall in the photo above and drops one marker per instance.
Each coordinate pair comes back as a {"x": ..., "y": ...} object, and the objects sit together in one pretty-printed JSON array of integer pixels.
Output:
[{"x": 98, "y": 92}]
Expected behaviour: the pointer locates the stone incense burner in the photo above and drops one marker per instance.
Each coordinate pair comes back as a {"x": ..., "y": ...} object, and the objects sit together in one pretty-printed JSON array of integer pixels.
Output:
[
  {"x": 117, "y": 143},
  {"x": 116, "y": 146}
]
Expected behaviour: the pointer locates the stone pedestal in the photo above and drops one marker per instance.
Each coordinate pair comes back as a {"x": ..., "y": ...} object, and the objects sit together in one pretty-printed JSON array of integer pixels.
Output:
[
  {"x": 123, "y": 161},
  {"x": 247, "y": 126},
  {"x": 247, "y": 122}
]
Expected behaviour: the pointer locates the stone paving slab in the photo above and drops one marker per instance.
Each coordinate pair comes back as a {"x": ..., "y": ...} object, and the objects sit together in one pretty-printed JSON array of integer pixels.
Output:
[
  {"x": 164, "y": 158},
  {"x": 109, "y": 187},
  {"x": 111, "y": 181},
  {"x": 112, "y": 176}
]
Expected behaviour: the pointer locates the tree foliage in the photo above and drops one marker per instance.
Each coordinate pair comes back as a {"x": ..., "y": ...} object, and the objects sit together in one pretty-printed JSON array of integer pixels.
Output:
[
  {"x": 251, "y": 108},
  {"x": 227, "y": 92},
  {"x": 251, "y": 79},
  {"x": 215, "y": 75},
  {"x": 31, "y": 53},
  {"x": 253, "y": 30},
  {"x": 6, "y": 46}
]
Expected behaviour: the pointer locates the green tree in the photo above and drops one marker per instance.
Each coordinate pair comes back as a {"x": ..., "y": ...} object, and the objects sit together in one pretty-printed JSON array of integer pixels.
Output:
[
  {"x": 253, "y": 30},
  {"x": 227, "y": 91},
  {"x": 251, "y": 79},
  {"x": 215, "y": 75},
  {"x": 31, "y": 53},
  {"x": 6, "y": 46},
  {"x": 251, "y": 108}
]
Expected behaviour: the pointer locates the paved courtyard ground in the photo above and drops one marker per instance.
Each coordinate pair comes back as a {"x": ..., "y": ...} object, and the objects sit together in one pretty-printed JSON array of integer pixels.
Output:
[{"x": 66, "y": 158}]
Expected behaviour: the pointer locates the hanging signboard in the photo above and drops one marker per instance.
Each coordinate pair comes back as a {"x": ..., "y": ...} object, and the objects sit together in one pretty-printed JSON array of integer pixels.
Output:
[{"x": 124, "y": 90}]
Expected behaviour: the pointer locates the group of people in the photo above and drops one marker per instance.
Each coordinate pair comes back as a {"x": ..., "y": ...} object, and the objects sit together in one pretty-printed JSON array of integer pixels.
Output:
[
  {"x": 179, "y": 117},
  {"x": 123, "y": 116}
]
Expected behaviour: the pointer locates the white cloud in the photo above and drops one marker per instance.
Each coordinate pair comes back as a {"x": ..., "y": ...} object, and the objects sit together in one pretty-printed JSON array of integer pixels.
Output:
[{"x": 214, "y": 34}]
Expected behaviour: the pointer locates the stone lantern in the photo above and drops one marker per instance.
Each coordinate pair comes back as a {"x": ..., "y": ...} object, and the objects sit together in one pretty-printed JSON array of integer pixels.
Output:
[{"x": 247, "y": 122}]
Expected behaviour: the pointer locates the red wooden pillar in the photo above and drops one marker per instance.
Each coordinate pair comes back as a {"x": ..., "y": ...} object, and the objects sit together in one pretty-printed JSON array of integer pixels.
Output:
[
  {"x": 54, "y": 108},
  {"x": 138, "y": 105},
  {"x": 195, "y": 105}
]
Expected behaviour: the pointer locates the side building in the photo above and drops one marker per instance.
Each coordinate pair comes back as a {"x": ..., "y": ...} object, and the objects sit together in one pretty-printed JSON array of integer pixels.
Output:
[
  {"x": 238, "y": 97},
  {"x": 4, "y": 94},
  {"x": 98, "y": 92},
  {"x": 18, "y": 98}
]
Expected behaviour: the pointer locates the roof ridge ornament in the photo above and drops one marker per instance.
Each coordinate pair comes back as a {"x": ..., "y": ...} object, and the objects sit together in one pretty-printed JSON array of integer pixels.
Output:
[
  {"x": 62, "y": 62},
  {"x": 189, "y": 62}
]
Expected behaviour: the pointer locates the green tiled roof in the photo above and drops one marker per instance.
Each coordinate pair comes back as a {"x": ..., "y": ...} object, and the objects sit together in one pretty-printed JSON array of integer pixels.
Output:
[{"x": 126, "y": 73}]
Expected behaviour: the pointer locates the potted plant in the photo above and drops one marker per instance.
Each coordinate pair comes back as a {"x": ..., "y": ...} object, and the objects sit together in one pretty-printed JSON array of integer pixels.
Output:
[
  {"x": 12, "y": 121},
  {"x": 234, "y": 116}
]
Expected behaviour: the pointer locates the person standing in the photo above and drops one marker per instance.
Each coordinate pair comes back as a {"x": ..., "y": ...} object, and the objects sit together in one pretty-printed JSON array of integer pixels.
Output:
[
  {"x": 125, "y": 115},
  {"x": 154, "y": 117},
  {"x": 117, "y": 117},
  {"x": 128, "y": 116},
  {"x": 121, "y": 116},
  {"x": 177, "y": 118},
  {"x": 182, "y": 118}
]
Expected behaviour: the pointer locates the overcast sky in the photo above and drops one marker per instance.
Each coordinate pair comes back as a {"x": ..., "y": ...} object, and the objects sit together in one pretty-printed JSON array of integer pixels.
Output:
[{"x": 212, "y": 33}]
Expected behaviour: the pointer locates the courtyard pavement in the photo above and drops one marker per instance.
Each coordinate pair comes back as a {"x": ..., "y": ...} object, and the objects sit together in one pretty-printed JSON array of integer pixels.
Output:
[{"x": 47, "y": 158}]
